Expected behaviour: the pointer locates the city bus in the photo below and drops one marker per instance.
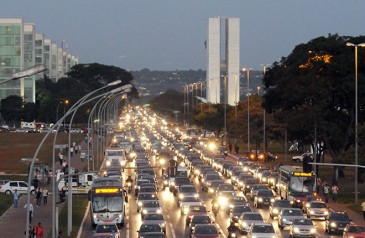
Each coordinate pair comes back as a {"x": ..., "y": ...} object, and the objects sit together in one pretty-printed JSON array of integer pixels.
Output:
[
  {"x": 293, "y": 179},
  {"x": 106, "y": 198}
]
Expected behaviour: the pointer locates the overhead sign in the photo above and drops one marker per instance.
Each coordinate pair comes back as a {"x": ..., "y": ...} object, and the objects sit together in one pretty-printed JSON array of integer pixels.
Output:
[
  {"x": 302, "y": 174},
  {"x": 106, "y": 190}
]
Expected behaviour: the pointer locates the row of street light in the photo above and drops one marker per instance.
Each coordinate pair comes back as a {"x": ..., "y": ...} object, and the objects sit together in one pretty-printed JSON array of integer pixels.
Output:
[{"x": 71, "y": 112}]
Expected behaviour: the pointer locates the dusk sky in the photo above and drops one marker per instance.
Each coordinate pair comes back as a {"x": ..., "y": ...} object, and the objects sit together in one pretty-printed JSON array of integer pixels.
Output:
[{"x": 170, "y": 34}]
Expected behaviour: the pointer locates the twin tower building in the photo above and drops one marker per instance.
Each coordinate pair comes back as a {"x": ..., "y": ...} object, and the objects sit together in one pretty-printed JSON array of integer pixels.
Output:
[{"x": 223, "y": 68}]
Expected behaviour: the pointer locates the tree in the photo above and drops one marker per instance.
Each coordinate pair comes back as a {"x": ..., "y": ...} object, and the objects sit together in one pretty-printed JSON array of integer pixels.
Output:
[
  {"x": 81, "y": 80},
  {"x": 313, "y": 90},
  {"x": 11, "y": 109}
]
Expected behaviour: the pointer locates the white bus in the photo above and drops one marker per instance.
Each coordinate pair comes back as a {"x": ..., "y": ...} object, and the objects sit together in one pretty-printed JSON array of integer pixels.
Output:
[
  {"x": 293, "y": 179},
  {"x": 107, "y": 201}
]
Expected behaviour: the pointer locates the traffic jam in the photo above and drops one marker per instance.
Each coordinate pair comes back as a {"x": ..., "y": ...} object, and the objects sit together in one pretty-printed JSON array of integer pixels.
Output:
[{"x": 174, "y": 186}]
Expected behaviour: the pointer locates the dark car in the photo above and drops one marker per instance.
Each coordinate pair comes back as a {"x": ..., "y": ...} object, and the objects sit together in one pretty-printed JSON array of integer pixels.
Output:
[
  {"x": 195, "y": 210},
  {"x": 336, "y": 222},
  {"x": 147, "y": 228},
  {"x": 199, "y": 219},
  {"x": 205, "y": 230}
]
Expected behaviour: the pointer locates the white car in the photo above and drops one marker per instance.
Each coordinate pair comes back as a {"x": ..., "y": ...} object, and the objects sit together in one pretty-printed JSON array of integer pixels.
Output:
[
  {"x": 317, "y": 209},
  {"x": 20, "y": 186},
  {"x": 261, "y": 230},
  {"x": 287, "y": 215},
  {"x": 302, "y": 228},
  {"x": 299, "y": 158}
]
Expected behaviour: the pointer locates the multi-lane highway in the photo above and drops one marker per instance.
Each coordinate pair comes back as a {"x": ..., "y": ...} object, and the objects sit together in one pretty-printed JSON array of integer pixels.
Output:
[{"x": 155, "y": 138}]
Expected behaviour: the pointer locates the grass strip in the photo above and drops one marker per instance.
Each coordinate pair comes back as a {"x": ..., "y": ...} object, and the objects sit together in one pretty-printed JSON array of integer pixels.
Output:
[
  {"x": 79, "y": 204},
  {"x": 6, "y": 201}
]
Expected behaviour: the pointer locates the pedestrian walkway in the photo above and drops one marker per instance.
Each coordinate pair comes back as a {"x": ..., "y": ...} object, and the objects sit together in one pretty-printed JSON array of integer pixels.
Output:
[
  {"x": 356, "y": 217},
  {"x": 13, "y": 221}
]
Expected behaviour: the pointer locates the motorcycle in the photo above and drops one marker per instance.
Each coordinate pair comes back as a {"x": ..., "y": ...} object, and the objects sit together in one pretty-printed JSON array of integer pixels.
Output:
[
  {"x": 231, "y": 231},
  {"x": 215, "y": 209},
  {"x": 129, "y": 185}
]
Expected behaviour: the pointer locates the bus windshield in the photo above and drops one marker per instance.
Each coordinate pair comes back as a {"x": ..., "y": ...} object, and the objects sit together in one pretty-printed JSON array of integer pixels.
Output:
[
  {"x": 302, "y": 184},
  {"x": 107, "y": 203}
]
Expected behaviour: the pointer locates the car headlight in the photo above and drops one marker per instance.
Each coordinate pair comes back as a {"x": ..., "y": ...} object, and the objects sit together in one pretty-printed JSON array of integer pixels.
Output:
[
  {"x": 211, "y": 190},
  {"x": 275, "y": 211},
  {"x": 172, "y": 183},
  {"x": 196, "y": 195},
  {"x": 325, "y": 212},
  {"x": 311, "y": 212},
  {"x": 231, "y": 206},
  {"x": 222, "y": 200},
  {"x": 233, "y": 235},
  {"x": 144, "y": 211},
  {"x": 181, "y": 196},
  {"x": 244, "y": 224},
  {"x": 248, "y": 186},
  {"x": 296, "y": 230},
  {"x": 298, "y": 201},
  {"x": 158, "y": 211},
  {"x": 165, "y": 182},
  {"x": 284, "y": 219},
  {"x": 140, "y": 204},
  {"x": 94, "y": 216},
  {"x": 272, "y": 200},
  {"x": 233, "y": 178},
  {"x": 312, "y": 230},
  {"x": 333, "y": 224},
  {"x": 163, "y": 224},
  {"x": 260, "y": 199},
  {"x": 241, "y": 184},
  {"x": 107, "y": 163},
  {"x": 307, "y": 205},
  {"x": 264, "y": 179},
  {"x": 185, "y": 210}
]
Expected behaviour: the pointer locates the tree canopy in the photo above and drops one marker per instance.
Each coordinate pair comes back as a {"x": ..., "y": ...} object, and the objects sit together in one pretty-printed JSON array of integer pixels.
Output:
[{"x": 313, "y": 90}]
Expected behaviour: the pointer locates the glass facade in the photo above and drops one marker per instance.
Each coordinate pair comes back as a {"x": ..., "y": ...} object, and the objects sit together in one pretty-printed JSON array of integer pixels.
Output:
[
  {"x": 10, "y": 55},
  {"x": 21, "y": 48}
]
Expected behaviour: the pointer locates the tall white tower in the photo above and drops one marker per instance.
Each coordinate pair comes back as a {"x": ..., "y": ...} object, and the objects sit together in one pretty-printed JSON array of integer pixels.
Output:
[{"x": 223, "y": 68}]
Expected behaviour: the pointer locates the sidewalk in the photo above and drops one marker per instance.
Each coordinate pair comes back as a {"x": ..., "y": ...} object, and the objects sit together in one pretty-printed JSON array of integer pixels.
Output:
[
  {"x": 354, "y": 216},
  {"x": 13, "y": 221}
]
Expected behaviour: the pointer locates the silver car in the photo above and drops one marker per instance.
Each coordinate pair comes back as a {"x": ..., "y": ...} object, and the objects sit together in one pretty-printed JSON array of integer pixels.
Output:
[
  {"x": 154, "y": 218},
  {"x": 317, "y": 209},
  {"x": 302, "y": 228},
  {"x": 247, "y": 219},
  {"x": 186, "y": 202},
  {"x": 287, "y": 215},
  {"x": 150, "y": 206},
  {"x": 262, "y": 230}
]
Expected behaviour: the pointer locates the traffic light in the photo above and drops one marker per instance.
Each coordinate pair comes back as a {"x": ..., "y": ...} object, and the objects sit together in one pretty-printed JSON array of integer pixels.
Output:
[{"x": 307, "y": 168}]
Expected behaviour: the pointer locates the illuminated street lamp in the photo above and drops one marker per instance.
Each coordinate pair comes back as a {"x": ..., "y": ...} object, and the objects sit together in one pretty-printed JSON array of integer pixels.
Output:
[{"x": 356, "y": 118}]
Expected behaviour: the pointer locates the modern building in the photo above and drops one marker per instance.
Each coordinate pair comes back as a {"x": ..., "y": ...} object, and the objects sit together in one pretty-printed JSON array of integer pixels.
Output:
[
  {"x": 21, "y": 48},
  {"x": 223, "y": 50}
]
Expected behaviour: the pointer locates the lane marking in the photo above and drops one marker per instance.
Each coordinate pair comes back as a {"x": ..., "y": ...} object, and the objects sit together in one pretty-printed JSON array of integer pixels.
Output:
[
  {"x": 83, "y": 220},
  {"x": 172, "y": 230}
]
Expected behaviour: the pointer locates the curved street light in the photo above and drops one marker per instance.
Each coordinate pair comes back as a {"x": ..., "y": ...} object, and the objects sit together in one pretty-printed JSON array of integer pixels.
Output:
[
  {"x": 356, "y": 118},
  {"x": 78, "y": 104}
]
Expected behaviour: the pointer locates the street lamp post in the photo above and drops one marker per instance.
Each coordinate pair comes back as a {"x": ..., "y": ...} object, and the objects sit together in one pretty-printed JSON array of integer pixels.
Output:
[
  {"x": 356, "y": 118},
  {"x": 225, "y": 111},
  {"x": 57, "y": 110},
  {"x": 65, "y": 103},
  {"x": 248, "y": 108}
]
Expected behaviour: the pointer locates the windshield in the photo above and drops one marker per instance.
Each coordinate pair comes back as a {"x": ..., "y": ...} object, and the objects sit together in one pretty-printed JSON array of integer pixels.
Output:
[
  {"x": 106, "y": 228},
  {"x": 187, "y": 189},
  {"x": 292, "y": 213},
  {"x": 306, "y": 222},
  {"x": 108, "y": 203},
  {"x": 206, "y": 230},
  {"x": 318, "y": 205},
  {"x": 263, "y": 229},
  {"x": 339, "y": 217},
  {"x": 153, "y": 217},
  {"x": 356, "y": 229},
  {"x": 190, "y": 199},
  {"x": 265, "y": 193},
  {"x": 282, "y": 203},
  {"x": 302, "y": 184},
  {"x": 115, "y": 152},
  {"x": 241, "y": 209},
  {"x": 200, "y": 220},
  {"x": 253, "y": 217},
  {"x": 150, "y": 228},
  {"x": 151, "y": 204},
  {"x": 198, "y": 209}
]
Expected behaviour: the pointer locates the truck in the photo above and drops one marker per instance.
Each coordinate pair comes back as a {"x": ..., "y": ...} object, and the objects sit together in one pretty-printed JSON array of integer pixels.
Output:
[{"x": 81, "y": 183}]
